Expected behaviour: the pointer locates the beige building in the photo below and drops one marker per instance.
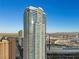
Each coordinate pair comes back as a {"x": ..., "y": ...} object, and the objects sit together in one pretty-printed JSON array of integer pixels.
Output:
[{"x": 7, "y": 48}]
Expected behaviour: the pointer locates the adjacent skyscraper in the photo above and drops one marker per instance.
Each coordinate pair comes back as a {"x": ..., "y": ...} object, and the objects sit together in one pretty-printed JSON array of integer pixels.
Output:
[
  {"x": 8, "y": 48},
  {"x": 34, "y": 33}
]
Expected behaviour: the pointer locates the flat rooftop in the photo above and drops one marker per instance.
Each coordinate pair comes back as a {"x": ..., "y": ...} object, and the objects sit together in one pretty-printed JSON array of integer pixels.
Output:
[{"x": 62, "y": 49}]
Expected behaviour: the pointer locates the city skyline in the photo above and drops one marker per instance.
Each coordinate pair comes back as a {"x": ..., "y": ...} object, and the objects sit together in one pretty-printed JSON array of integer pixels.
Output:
[{"x": 62, "y": 16}]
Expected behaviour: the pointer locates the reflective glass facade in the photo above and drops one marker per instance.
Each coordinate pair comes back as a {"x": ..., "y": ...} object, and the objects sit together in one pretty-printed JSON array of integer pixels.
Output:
[{"x": 34, "y": 33}]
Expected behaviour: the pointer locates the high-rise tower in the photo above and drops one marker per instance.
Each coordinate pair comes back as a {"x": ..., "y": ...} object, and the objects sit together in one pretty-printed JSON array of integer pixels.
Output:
[{"x": 34, "y": 33}]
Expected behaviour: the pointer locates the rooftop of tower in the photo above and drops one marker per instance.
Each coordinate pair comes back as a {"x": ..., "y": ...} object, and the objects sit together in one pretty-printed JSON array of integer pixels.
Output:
[{"x": 34, "y": 8}]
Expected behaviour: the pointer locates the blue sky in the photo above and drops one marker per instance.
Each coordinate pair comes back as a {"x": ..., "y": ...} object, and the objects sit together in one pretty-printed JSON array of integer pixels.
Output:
[{"x": 62, "y": 15}]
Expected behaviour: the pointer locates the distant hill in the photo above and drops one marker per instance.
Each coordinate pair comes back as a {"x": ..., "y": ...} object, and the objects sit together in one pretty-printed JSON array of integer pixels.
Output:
[{"x": 9, "y": 34}]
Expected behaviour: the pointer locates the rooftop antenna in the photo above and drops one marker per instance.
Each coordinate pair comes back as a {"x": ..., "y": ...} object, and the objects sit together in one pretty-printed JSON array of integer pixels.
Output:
[{"x": 49, "y": 41}]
